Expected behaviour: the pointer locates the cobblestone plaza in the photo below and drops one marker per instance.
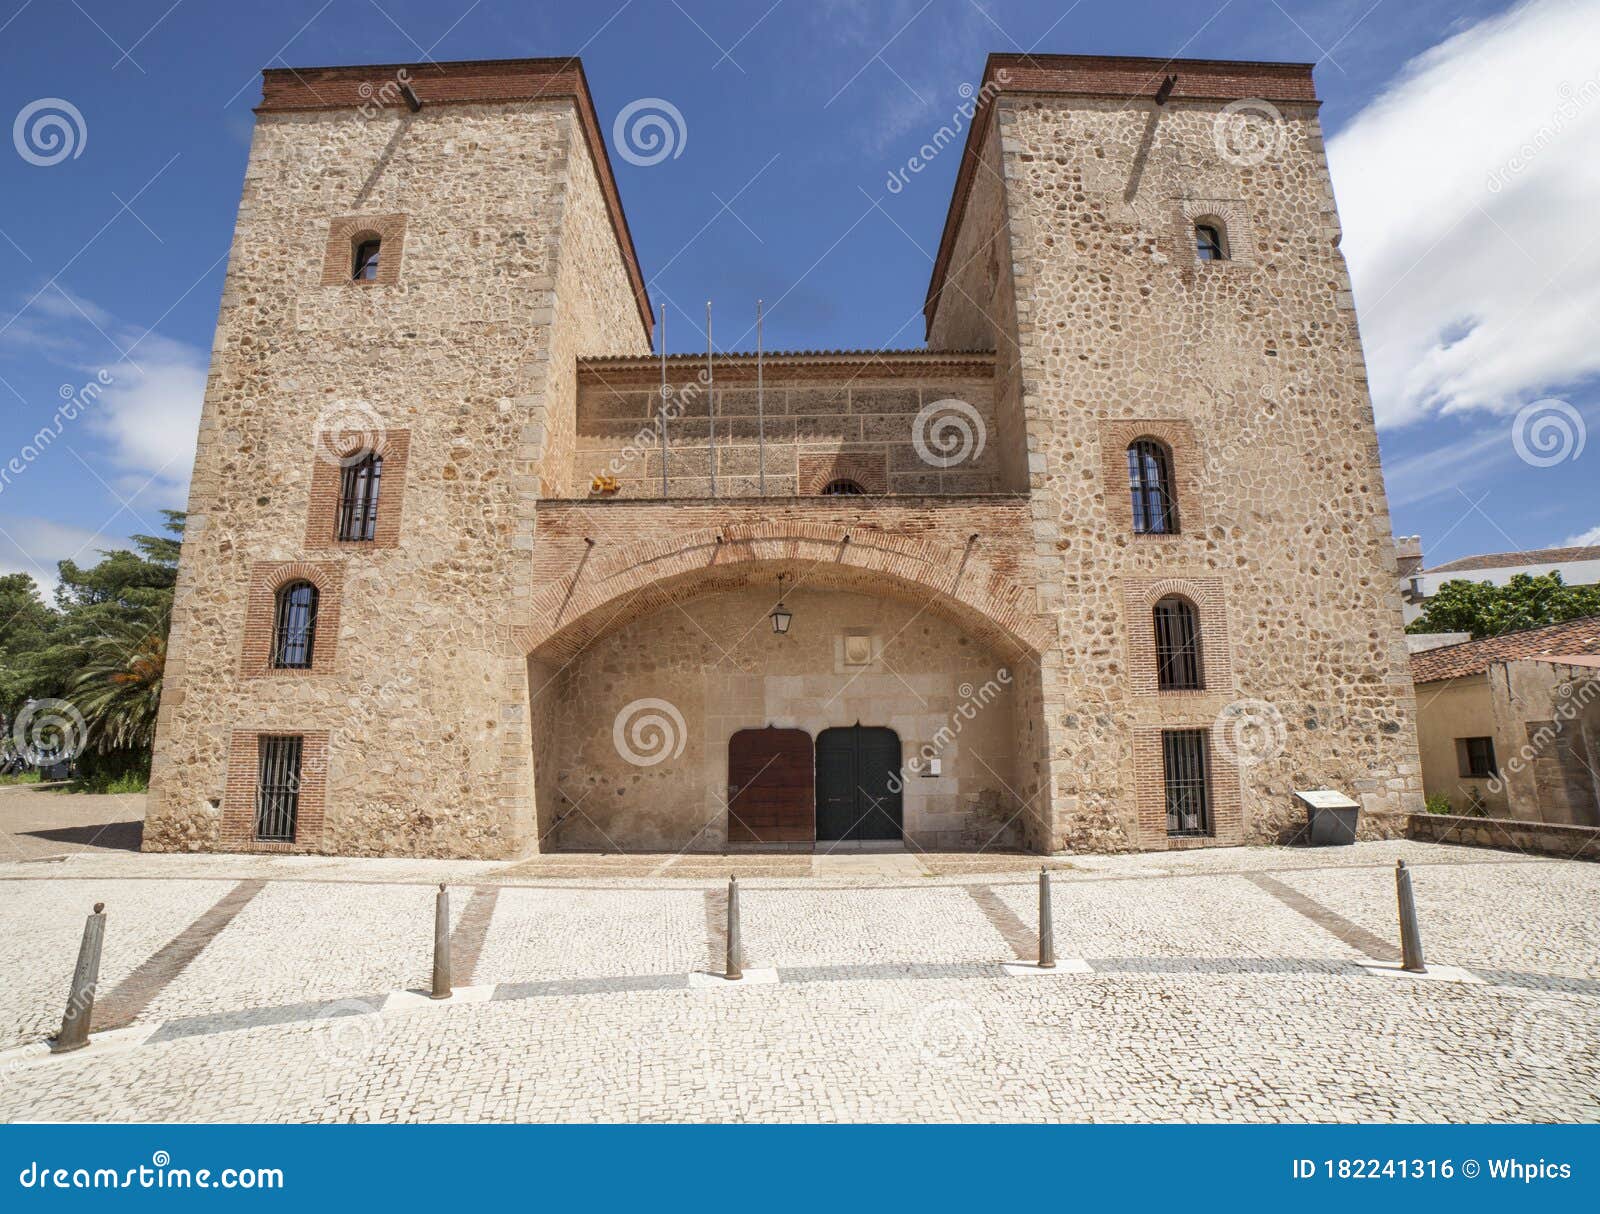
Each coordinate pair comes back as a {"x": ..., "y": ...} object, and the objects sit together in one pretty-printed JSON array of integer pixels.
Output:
[{"x": 1233, "y": 985}]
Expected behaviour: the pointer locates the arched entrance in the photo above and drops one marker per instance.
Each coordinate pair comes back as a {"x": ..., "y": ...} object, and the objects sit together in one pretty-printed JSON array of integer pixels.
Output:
[
  {"x": 654, "y": 669},
  {"x": 859, "y": 784}
]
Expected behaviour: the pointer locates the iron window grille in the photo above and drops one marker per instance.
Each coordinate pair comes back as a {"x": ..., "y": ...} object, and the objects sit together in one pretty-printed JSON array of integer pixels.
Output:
[
  {"x": 1155, "y": 506},
  {"x": 1208, "y": 242},
  {"x": 278, "y": 789},
  {"x": 294, "y": 628},
  {"x": 1178, "y": 665},
  {"x": 365, "y": 266},
  {"x": 1186, "y": 781},
  {"x": 1477, "y": 758},
  {"x": 358, "y": 498},
  {"x": 842, "y": 487}
]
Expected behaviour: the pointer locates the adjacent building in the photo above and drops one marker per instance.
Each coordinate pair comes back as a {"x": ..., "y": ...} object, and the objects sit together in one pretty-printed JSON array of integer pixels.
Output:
[
  {"x": 1509, "y": 726},
  {"x": 470, "y": 571},
  {"x": 1578, "y": 566}
]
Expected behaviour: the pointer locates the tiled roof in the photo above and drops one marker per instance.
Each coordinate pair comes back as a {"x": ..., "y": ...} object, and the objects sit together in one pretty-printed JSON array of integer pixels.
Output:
[
  {"x": 1509, "y": 560},
  {"x": 1571, "y": 637}
]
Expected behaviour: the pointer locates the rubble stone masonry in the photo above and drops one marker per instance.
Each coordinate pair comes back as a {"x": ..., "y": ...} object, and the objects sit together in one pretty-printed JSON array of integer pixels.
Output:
[{"x": 514, "y": 608}]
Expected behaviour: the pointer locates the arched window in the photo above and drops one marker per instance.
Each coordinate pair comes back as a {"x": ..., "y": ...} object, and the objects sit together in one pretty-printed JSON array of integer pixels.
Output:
[
  {"x": 1177, "y": 645},
  {"x": 1155, "y": 505},
  {"x": 365, "y": 266},
  {"x": 841, "y": 486},
  {"x": 358, "y": 498},
  {"x": 294, "y": 626},
  {"x": 1208, "y": 242}
]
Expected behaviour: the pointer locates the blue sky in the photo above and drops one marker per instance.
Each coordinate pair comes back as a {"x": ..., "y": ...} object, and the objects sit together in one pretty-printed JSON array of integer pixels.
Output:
[{"x": 1462, "y": 142}]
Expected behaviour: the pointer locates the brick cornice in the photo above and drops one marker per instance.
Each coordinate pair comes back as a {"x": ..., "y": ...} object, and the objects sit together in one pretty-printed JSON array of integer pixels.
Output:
[
  {"x": 1106, "y": 76},
  {"x": 792, "y": 366},
  {"x": 468, "y": 82}
]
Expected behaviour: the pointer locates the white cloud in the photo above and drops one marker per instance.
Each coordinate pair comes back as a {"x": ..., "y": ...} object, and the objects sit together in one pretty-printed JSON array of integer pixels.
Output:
[
  {"x": 151, "y": 412},
  {"x": 1583, "y": 538},
  {"x": 1467, "y": 191},
  {"x": 144, "y": 403},
  {"x": 34, "y": 546}
]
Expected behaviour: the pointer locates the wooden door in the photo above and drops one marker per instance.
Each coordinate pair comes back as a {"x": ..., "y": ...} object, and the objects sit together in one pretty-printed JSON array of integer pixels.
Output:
[
  {"x": 771, "y": 796},
  {"x": 858, "y": 784}
]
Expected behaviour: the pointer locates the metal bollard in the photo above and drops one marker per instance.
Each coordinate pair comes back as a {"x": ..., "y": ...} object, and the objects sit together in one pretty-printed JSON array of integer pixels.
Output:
[
  {"x": 735, "y": 969},
  {"x": 441, "y": 944},
  {"x": 1047, "y": 924},
  {"x": 1410, "y": 933},
  {"x": 74, "y": 1034}
]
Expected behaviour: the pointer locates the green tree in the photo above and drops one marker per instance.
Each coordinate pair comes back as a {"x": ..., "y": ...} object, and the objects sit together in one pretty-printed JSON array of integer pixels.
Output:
[
  {"x": 27, "y": 625},
  {"x": 118, "y": 687},
  {"x": 1526, "y": 601},
  {"x": 102, "y": 646}
]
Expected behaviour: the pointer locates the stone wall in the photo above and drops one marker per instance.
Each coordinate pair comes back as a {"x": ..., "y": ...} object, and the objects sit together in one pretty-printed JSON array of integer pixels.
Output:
[
  {"x": 1511, "y": 834},
  {"x": 712, "y": 666},
  {"x": 1119, "y": 322},
  {"x": 858, "y": 426},
  {"x": 426, "y": 705},
  {"x": 1545, "y": 717}
]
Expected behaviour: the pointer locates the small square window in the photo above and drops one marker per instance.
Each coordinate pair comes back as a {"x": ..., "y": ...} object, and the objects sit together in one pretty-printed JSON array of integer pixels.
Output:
[
  {"x": 1208, "y": 242},
  {"x": 1477, "y": 758}
]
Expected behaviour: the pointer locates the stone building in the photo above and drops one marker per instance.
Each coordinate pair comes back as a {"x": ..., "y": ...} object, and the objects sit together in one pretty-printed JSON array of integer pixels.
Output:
[{"x": 470, "y": 572}]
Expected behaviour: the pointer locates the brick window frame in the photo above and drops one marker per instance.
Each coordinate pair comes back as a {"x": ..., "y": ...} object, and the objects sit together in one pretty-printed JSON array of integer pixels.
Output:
[
  {"x": 1225, "y": 214},
  {"x": 331, "y": 452},
  {"x": 1178, "y": 438},
  {"x": 1209, "y": 599},
  {"x": 238, "y": 827},
  {"x": 266, "y": 579},
  {"x": 1149, "y": 772},
  {"x": 869, "y": 469},
  {"x": 346, "y": 232}
]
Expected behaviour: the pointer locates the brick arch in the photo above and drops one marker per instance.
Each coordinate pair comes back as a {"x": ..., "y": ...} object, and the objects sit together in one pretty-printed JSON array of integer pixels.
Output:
[
  {"x": 1206, "y": 596},
  {"x": 266, "y": 579},
  {"x": 607, "y": 586},
  {"x": 1237, "y": 238}
]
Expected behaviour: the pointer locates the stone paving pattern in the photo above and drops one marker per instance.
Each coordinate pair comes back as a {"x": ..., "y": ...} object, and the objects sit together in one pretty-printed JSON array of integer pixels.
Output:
[{"x": 1212, "y": 997}]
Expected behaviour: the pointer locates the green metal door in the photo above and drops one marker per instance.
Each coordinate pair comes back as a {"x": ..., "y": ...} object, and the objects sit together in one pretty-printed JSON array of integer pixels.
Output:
[{"x": 858, "y": 784}]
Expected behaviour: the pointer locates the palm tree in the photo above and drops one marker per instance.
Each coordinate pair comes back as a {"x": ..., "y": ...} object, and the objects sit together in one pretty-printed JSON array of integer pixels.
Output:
[{"x": 118, "y": 687}]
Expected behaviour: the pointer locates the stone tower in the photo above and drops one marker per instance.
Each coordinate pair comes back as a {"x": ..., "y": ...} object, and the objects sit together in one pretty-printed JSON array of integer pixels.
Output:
[
  {"x": 1071, "y": 249},
  {"x": 503, "y": 256}
]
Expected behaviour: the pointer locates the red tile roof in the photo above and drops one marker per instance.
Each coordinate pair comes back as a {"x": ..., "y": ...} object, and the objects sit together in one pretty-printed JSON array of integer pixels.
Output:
[{"x": 1572, "y": 637}]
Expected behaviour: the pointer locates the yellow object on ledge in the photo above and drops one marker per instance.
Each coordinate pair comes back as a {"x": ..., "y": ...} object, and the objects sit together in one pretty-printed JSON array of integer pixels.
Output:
[{"x": 603, "y": 484}]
